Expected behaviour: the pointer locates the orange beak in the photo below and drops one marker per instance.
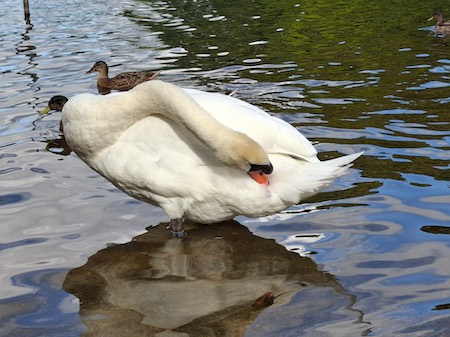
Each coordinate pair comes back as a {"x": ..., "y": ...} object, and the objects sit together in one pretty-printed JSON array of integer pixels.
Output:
[{"x": 259, "y": 177}]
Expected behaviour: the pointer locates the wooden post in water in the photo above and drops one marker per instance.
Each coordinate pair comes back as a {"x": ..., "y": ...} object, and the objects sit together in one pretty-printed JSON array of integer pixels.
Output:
[{"x": 26, "y": 10}]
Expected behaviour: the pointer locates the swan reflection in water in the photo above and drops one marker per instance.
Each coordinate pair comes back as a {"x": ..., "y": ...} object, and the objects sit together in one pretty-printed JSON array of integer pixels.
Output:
[{"x": 213, "y": 283}]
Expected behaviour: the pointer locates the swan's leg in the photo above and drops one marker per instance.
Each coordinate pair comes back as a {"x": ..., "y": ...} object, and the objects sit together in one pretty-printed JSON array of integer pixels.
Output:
[{"x": 176, "y": 227}]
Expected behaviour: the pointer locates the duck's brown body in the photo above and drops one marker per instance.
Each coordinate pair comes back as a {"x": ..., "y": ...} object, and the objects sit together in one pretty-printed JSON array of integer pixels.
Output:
[{"x": 122, "y": 82}]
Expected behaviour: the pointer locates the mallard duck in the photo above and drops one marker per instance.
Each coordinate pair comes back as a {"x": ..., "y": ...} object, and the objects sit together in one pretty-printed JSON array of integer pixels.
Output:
[
  {"x": 442, "y": 26},
  {"x": 55, "y": 103},
  {"x": 201, "y": 156},
  {"x": 122, "y": 82}
]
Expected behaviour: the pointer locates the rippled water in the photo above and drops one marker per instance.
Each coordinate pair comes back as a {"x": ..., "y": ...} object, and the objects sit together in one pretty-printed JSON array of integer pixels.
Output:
[{"x": 371, "y": 251}]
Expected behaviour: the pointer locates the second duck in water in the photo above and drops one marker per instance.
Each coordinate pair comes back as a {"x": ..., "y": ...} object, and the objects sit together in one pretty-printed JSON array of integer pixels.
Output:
[
  {"x": 123, "y": 81},
  {"x": 442, "y": 26}
]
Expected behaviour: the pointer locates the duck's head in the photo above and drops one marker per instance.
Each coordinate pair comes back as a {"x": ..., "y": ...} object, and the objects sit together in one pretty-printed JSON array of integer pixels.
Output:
[
  {"x": 99, "y": 66},
  {"x": 55, "y": 103},
  {"x": 438, "y": 17}
]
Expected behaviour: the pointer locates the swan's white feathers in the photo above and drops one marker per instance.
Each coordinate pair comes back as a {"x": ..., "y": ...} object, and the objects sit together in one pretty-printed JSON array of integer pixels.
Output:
[
  {"x": 273, "y": 134},
  {"x": 125, "y": 138}
]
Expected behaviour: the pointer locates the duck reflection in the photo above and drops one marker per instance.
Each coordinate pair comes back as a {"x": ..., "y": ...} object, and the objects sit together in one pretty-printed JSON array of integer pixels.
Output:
[
  {"x": 58, "y": 146},
  {"x": 56, "y": 142},
  {"x": 214, "y": 282}
]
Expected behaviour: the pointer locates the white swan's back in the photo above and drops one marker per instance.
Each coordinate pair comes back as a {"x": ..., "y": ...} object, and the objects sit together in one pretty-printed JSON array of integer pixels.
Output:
[
  {"x": 273, "y": 134},
  {"x": 153, "y": 147}
]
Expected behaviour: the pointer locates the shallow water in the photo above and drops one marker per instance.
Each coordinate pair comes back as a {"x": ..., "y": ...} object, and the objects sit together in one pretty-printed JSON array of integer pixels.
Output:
[{"x": 375, "y": 243}]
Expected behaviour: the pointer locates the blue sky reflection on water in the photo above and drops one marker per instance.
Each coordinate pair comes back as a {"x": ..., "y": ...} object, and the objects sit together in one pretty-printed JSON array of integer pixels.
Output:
[{"x": 349, "y": 82}]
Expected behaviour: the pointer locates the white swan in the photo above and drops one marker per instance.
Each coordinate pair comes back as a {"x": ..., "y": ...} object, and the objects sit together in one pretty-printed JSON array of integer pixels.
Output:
[{"x": 195, "y": 153}]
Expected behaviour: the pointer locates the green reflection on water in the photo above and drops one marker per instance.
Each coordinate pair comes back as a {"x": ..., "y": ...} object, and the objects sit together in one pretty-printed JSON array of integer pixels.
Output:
[{"x": 364, "y": 65}]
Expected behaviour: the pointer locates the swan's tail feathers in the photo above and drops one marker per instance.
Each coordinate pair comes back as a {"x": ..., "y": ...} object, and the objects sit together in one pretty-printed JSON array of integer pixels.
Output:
[
  {"x": 325, "y": 172},
  {"x": 345, "y": 162},
  {"x": 311, "y": 178}
]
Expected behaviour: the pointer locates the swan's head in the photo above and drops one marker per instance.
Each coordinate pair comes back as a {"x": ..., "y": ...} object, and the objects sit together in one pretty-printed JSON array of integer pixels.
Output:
[
  {"x": 259, "y": 173},
  {"x": 247, "y": 155}
]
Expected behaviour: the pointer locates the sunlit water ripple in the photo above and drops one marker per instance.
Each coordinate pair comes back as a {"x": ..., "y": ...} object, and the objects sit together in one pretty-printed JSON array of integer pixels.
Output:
[{"x": 381, "y": 231}]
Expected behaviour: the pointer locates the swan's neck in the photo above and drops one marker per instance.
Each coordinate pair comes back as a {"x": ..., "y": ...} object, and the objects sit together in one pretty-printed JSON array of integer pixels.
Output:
[{"x": 229, "y": 146}]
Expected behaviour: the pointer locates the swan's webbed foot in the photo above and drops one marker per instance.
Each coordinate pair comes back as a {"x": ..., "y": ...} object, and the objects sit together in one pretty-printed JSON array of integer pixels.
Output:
[{"x": 176, "y": 228}]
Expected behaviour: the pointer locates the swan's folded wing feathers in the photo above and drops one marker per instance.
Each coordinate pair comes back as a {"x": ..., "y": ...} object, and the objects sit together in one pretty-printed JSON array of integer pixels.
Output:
[{"x": 273, "y": 134}]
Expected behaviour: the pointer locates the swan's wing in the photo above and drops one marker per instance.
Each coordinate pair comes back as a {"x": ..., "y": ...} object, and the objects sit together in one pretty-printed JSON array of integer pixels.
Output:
[
  {"x": 160, "y": 162},
  {"x": 273, "y": 134}
]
